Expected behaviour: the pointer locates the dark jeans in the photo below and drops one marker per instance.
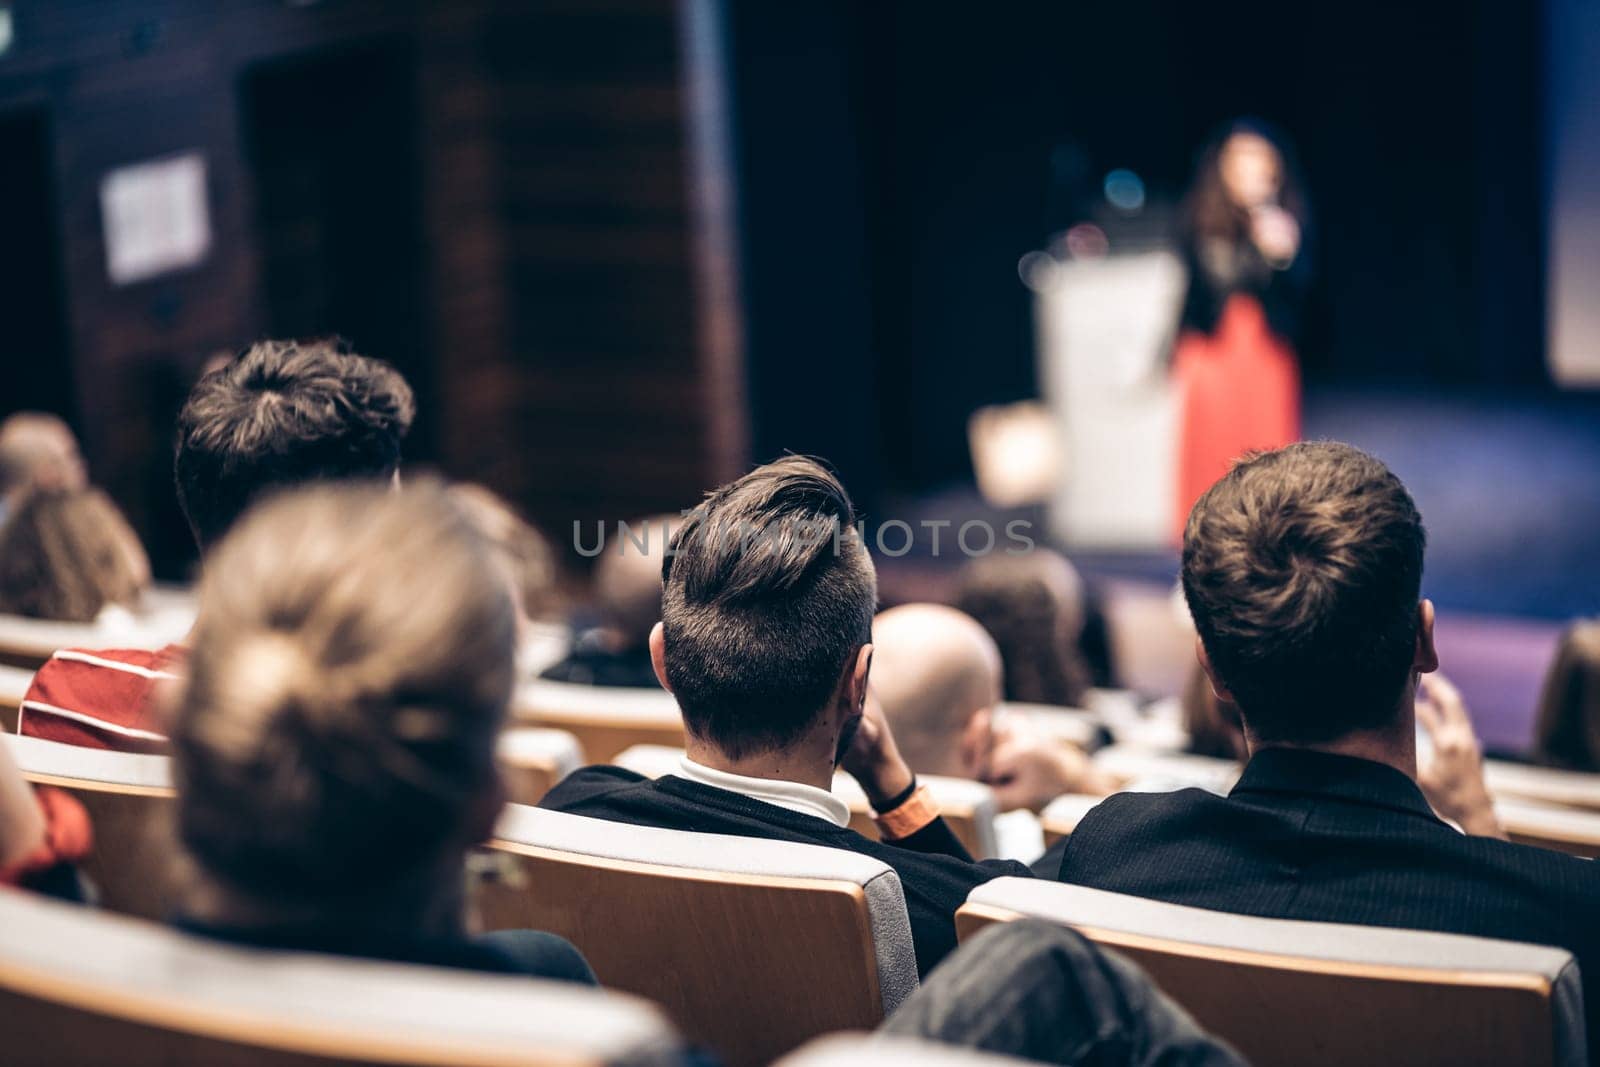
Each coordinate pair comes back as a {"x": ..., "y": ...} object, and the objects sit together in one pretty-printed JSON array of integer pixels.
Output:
[
  {"x": 1039, "y": 991},
  {"x": 542, "y": 955}
]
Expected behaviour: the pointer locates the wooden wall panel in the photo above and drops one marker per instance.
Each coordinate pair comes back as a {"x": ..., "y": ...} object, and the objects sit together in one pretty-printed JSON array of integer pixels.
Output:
[
  {"x": 579, "y": 188},
  {"x": 557, "y": 324}
]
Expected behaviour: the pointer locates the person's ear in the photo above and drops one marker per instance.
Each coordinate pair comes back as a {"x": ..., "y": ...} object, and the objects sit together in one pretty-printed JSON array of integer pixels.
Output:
[
  {"x": 856, "y": 684},
  {"x": 1218, "y": 687},
  {"x": 1426, "y": 658},
  {"x": 658, "y": 654},
  {"x": 977, "y": 744}
]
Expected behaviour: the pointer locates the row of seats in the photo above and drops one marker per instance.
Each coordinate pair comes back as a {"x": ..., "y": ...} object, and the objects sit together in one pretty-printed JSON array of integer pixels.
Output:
[
  {"x": 80, "y": 986},
  {"x": 753, "y": 947},
  {"x": 577, "y": 724},
  {"x": 1536, "y": 805},
  {"x": 140, "y": 995}
]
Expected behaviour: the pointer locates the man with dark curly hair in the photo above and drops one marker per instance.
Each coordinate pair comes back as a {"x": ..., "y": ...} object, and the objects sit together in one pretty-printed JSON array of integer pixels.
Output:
[{"x": 284, "y": 413}]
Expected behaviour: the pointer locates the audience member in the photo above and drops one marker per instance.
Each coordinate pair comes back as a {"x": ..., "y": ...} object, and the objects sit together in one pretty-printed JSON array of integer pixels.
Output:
[
  {"x": 1034, "y": 606},
  {"x": 766, "y": 642},
  {"x": 37, "y": 451},
  {"x": 333, "y": 746},
  {"x": 282, "y": 414},
  {"x": 627, "y": 597},
  {"x": 1302, "y": 568},
  {"x": 1211, "y": 723},
  {"x": 44, "y": 832},
  {"x": 936, "y": 675},
  {"x": 1568, "y": 730},
  {"x": 22, "y": 826},
  {"x": 68, "y": 556},
  {"x": 523, "y": 552}
]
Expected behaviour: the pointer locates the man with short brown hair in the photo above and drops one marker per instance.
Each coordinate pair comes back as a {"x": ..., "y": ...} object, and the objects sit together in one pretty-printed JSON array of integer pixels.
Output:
[
  {"x": 766, "y": 642},
  {"x": 1303, "y": 569}
]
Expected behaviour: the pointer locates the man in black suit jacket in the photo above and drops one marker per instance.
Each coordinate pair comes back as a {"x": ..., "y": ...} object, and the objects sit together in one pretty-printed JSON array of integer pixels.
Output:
[
  {"x": 765, "y": 641},
  {"x": 1302, "y": 569}
]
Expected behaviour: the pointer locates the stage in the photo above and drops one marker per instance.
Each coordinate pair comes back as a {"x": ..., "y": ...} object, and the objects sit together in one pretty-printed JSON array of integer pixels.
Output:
[{"x": 1508, "y": 485}]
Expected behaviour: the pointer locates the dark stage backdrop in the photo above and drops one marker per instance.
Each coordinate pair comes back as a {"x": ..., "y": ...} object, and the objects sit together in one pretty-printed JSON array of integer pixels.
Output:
[{"x": 924, "y": 135}]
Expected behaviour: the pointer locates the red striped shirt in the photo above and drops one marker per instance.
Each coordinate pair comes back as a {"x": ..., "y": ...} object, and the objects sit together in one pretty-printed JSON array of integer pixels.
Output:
[{"x": 100, "y": 699}]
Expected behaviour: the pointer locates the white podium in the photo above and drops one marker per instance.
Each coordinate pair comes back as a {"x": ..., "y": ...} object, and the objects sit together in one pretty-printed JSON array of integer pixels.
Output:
[{"x": 1105, "y": 328}]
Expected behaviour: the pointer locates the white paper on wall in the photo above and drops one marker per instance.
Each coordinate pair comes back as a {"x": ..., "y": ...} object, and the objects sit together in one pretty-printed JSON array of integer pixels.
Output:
[{"x": 156, "y": 217}]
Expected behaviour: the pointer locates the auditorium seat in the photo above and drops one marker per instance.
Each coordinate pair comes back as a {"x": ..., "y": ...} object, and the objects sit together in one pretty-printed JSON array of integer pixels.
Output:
[
  {"x": 1563, "y": 829},
  {"x": 543, "y": 644},
  {"x": 1134, "y": 723},
  {"x": 81, "y": 987},
  {"x": 1061, "y": 816},
  {"x": 129, "y": 800},
  {"x": 1073, "y": 725},
  {"x": 871, "y": 1050},
  {"x": 1151, "y": 771},
  {"x": 969, "y": 807},
  {"x": 1304, "y": 993},
  {"x": 1544, "y": 785},
  {"x": 753, "y": 946},
  {"x": 605, "y": 719},
  {"x": 27, "y": 642},
  {"x": 532, "y": 760},
  {"x": 14, "y": 682}
]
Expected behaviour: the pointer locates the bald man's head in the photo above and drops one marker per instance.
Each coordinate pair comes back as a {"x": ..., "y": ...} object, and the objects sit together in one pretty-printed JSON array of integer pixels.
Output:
[{"x": 936, "y": 674}]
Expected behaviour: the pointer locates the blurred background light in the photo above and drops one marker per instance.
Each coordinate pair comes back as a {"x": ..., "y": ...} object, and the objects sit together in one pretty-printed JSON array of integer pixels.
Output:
[
  {"x": 1125, "y": 191},
  {"x": 1087, "y": 241}
]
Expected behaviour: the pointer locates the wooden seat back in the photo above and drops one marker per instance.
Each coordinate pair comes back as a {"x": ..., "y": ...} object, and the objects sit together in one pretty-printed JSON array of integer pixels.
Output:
[
  {"x": 753, "y": 946},
  {"x": 605, "y": 720},
  {"x": 129, "y": 801},
  {"x": 78, "y": 986},
  {"x": 533, "y": 759},
  {"x": 1304, "y": 993},
  {"x": 1569, "y": 830}
]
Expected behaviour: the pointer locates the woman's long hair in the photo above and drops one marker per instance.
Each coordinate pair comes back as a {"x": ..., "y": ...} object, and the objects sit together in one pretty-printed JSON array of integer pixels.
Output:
[
  {"x": 1033, "y": 607},
  {"x": 1209, "y": 212},
  {"x": 1568, "y": 730},
  {"x": 67, "y": 554}
]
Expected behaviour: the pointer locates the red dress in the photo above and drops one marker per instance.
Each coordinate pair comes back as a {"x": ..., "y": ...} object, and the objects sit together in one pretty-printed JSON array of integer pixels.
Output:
[{"x": 1238, "y": 391}]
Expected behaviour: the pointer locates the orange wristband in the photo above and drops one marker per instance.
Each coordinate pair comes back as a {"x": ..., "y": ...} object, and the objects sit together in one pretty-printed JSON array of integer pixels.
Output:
[{"x": 918, "y": 810}]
